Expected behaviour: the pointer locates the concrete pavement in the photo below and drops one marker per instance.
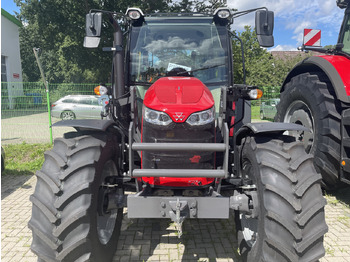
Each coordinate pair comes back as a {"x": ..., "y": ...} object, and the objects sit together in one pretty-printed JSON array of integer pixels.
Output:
[{"x": 156, "y": 240}]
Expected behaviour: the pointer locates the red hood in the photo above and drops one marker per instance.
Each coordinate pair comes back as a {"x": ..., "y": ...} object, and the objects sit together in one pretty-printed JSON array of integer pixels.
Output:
[{"x": 179, "y": 97}]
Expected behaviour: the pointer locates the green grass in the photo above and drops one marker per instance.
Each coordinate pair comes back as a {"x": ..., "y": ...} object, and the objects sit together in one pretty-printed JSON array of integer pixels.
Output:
[
  {"x": 255, "y": 112},
  {"x": 24, "y": 159}
]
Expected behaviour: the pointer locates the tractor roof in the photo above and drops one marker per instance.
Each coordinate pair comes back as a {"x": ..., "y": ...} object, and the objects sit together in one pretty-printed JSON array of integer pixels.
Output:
[
  {"x": 179, "y": 19},
  {"x": 220, "y": 15}
]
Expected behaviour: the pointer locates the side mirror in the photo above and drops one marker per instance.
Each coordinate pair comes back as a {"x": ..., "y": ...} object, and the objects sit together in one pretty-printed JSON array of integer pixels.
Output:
[
  {"x": 264, "y": 22},
  {"x": 93, "y": 30}
]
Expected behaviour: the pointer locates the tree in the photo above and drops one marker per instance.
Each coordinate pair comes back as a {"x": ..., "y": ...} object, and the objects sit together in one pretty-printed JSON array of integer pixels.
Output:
[
  {"x": 281, "y": 67},
  {"x": 196, "y": 6},
  {"x": 58, "y": 28},
  {"x": 262, "y": 69},
  {"x": 258, "y": 61}
]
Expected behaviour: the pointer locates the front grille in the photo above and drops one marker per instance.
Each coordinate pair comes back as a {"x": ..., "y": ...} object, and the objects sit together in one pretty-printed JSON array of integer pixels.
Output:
[{"x": 178, "y": 133}]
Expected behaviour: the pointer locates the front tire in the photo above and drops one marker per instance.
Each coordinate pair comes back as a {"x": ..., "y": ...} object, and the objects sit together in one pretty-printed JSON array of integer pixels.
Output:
[
  {"x": 308, "y": 100},
  {"x": 65, "y": 222},
  {"x": 287, "y": 219}
]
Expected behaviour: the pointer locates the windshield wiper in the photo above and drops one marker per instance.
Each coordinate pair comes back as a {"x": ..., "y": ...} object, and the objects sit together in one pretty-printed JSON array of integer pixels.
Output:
[
  {"x": 178, "y": 71},
  {"x": 141, "y": 83},
  {"x": 205, "y": 68}
]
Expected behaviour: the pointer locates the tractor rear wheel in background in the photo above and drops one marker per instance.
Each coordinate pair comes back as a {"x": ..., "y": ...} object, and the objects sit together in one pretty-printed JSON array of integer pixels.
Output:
[
  {"x": 70, "y": 220},
  {"x": 308, "y": 99},
  {"x": 286, "y": 221}
]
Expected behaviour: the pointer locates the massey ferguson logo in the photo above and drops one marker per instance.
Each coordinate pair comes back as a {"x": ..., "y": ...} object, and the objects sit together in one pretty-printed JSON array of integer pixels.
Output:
[{"x": 179, "y": 116}]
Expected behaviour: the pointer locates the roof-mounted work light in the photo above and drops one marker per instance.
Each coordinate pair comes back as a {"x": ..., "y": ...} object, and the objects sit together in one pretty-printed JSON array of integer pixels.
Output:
[
  {"x": 222, "y": 13},
  {"x": 134, "y": 13},
  {"x": 223, "y": 16},
  {"x": 343, "y": 3}
]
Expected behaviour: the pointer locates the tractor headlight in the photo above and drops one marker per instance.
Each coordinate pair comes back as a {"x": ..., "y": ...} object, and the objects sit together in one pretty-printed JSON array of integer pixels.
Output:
[
  {"x": 156, "y": 117},
  {"x": 201, "y": 118},
  {"x": 101, "y": 90},
  {"x": 255, "y": 93}
]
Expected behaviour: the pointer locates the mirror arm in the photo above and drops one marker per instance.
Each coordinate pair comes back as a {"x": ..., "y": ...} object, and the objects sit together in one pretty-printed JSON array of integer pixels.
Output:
[
  {"x": 266, "y": 25},
  {"x": 92, "y": 26},
  {"x": 113, "y": 22},
  {"x": 241, "y": 13}
]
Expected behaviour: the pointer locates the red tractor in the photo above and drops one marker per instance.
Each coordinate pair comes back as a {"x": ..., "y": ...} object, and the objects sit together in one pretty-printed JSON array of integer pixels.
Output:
[
  {"x": 316, "y": 94},
  {"x": 176, "y": 130}
]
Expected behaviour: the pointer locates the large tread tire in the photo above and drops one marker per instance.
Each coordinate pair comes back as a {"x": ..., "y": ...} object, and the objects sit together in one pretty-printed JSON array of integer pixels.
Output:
[
  {"x": 316, "y": 92},
  {"x": 290, "y": 222},
  {"x": 65, "y": 201}
]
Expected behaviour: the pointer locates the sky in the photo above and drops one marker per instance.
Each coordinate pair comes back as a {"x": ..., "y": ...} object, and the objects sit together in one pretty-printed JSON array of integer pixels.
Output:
[{"x": 291, "y": 18}]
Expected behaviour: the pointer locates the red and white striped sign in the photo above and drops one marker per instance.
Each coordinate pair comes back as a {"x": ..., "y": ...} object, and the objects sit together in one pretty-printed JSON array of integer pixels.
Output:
[{"x": 312, "y": 37}]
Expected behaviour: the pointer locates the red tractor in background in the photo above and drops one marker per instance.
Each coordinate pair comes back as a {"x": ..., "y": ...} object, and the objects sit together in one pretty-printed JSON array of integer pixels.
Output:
[
  {"x": 316, "y": 94},
  {"x": 176, "y": 131}
]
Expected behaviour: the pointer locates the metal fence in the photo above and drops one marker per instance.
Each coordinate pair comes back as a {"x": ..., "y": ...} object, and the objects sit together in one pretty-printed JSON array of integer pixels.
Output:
[{"x": 24, "y": 109}]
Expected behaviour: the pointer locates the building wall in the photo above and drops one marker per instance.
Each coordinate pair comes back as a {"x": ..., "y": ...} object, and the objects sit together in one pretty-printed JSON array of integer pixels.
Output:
[{"x": 10, "y": 54}]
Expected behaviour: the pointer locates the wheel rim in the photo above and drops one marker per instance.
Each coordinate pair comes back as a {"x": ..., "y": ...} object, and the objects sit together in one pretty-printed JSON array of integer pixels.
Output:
[
  {"x": 67, "y": 115},
  {"x": 299, "y": 113},
  {"x": 106, "y": 221},
  {"x": 249, "y": 224}
]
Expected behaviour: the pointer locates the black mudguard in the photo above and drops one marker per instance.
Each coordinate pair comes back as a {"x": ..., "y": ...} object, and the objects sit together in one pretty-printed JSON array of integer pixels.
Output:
[
  {"x": 266, "y": 127},
  {"x": 319, "y": 64},
  {"x": 251, "y": 129},
  {"x": 86, "y": 124}
]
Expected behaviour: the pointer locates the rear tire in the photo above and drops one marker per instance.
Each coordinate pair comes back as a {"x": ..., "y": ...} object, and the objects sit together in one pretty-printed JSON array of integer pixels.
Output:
[
  {"x": 284, "y": 189},
  {"x": 308, "y": 100},
  {"x": 65, "y": 222}
]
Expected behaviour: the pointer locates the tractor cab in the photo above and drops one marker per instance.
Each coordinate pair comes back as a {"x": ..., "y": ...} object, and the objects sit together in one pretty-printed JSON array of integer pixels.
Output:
[
  {"x": 163, "y": 46},
  {"x": 177, "y": 66},
  {"x": 344, "y": 34}
]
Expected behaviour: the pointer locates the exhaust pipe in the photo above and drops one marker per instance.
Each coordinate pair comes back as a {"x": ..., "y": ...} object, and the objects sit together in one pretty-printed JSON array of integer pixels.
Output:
[{"x": 118, "y": 60}]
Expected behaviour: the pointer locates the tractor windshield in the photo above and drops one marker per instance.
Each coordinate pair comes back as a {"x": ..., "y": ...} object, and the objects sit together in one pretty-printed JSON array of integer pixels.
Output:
[
  {"x": 345, "y": 33},
  {"x": 157, "y": 48}
]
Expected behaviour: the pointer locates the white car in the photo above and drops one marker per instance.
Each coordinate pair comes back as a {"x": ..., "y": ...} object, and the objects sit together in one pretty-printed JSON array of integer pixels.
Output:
[
  {"x": 268, "y": 108},
  {"x": 77, "y": 107}
]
